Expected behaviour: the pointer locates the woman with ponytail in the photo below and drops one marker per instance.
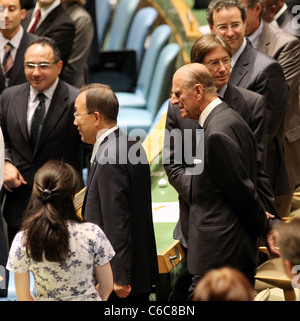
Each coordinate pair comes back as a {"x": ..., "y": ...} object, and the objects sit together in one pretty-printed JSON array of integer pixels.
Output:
[{"x": 63, "y": 253}]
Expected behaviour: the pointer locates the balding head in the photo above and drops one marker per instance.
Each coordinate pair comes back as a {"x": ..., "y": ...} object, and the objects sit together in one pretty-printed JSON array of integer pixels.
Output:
[{"x": 193, "y": 89}]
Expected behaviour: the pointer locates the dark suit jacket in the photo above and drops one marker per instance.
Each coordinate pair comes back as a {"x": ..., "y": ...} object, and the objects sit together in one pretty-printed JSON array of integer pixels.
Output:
[
  {"x": 17, "y": 75},
  {"x": 57, "y": 26},
  {"x": 226, "y": 215},
  {"x": 251, "y": 107},
  {"x": 118, "y": 199},
  {"x": 285, "y": 48},
  {"x": 59, "y": 139},
  {"x": 260, "y": 73}
]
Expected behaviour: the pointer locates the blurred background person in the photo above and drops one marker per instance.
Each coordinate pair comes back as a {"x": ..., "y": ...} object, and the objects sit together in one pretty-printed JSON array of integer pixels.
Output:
[
  {"x": 76, "y": 71},
  {"x": 48, "y": 18},
  {"x": 14, "y": 41},
  {"x": 224, "y": 284},
  {"x": 288, "y": 235}
]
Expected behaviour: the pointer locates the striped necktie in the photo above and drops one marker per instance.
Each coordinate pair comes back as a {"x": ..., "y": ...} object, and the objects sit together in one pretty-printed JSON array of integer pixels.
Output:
[{"x": 7, "y": 62}]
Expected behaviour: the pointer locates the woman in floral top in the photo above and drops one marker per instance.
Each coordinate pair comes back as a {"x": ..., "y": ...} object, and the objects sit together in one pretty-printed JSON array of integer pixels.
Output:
[{"x": 63, "y": 253}]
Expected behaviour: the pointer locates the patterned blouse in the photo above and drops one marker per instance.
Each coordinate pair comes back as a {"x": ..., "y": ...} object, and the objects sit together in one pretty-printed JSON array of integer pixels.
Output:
[{"x": 74, "y": 278}]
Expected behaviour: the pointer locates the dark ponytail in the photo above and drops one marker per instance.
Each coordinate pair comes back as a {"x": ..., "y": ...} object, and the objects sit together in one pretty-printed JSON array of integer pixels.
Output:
[{"x": 49, "y": 208}]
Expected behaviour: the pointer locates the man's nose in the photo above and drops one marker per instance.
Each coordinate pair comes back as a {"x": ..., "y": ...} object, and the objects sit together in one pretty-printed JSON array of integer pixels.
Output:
[{"x": 174, "y": 100}]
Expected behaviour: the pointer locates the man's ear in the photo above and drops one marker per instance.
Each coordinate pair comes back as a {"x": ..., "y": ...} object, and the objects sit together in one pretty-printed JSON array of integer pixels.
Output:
[
  {"x": 199, "y": 90},
  {"x": 23, "y": 13}
]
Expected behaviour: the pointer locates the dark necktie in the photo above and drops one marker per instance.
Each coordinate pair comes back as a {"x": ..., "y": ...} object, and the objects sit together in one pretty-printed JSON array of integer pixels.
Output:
[
  {"x": 37, "y": 120},
  {"x": 7, "y": 62},
  {"x": 37, "y": 19}
]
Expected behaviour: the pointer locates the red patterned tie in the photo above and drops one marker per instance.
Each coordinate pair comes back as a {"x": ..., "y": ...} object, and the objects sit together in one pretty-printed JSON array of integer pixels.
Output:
[
  {"x": 37, "y": 19},
  {"x": 7, "y": 62}
]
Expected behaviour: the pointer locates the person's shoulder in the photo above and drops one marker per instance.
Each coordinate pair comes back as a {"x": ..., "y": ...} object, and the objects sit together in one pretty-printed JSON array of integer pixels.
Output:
[
  {"x": 246, "y": 93},
  {"x": 68, "y": 89},
  {"x": 280, "y": 36},
  {"x": 11, "y": 91}
]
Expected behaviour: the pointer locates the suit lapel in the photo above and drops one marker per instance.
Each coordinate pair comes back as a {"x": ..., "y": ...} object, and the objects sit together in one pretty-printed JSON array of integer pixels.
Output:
[
  {"x": 101, "y": 148},
  {"x": 21, "y": 110},
  {"x": 240, "y": 68},
  {"x": 19, "y": 60},
  {"x": 230, "y": 98},
  {"x": 213, "y": 113},
  {"x": 264, "y": 41},
  {"x": 48, "y": 22}
]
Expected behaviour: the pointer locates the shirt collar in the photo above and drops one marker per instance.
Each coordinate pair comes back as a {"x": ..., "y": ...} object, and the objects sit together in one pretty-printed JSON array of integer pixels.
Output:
[
  {"x": 100, "y": 138},
  {"x": 281, "y": 11},
  {"x": 208, "y": 110},
  {"x": 15, "y": 41},
  {"x": 45, "y": 12},
  {"x": 48, "y": 92},
  {"x": 221, "y": 92},
  {"x": 254, "y": 37}
]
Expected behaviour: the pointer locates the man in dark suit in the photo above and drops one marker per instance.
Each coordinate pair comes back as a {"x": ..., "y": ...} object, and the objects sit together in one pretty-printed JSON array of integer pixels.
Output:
[
  {"x": 285, "y": 48},
  {"x": 118, "y": 192},
  {"x": 210, "y": 50},
  {"x": 31, "y": 139},
  {"x": 226, "y": 213},
  {"x": 254, "y": 70},
  {"x": 54, "y": 23},
  {"x": 18, "y": 39}
]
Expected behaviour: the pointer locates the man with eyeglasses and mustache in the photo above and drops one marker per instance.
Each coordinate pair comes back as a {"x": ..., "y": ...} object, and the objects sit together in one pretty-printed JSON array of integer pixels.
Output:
[
  {"x": 214, "y": 52},
  {"x": 256, "y": 71},
  {"x": 37, "y": 122}
]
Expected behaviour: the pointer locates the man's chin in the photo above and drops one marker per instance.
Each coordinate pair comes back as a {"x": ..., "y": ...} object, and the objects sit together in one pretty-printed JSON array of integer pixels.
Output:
[{"x": 183, "y": 113}]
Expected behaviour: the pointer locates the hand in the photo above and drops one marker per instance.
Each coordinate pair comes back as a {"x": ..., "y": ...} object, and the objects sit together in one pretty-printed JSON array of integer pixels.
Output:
[
  {"x": 269, "y": 215},
  {"x": 12, "y": 177},
  {"x": 121, "y": 290},
  {"x": 271, "y": 241}
]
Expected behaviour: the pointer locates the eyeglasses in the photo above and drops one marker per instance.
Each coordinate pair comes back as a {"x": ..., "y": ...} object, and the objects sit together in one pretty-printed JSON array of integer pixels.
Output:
[
  {"x": 216, "y": 63},
  {"x": 41, "y": 65},
  {"x": 77, "y": 115},
  {"x": 233, "y": 26}
]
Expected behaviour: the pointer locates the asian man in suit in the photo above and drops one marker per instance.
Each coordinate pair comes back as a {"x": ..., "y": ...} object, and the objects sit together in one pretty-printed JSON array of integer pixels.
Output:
[
  {"x": 53, "y": 22},
  {"x": 37, "y": 123},
  {"x": 118, "y": 193},
  {"x": 256, "y": 71},
  {"x": 18, "y": 39},
  {"x": 226, "y": 214}
]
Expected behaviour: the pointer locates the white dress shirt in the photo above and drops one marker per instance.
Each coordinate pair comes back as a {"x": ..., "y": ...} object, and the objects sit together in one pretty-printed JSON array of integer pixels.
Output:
[
  {"x": 44, "y": 13},
  {"x": 33, "y": 101}
]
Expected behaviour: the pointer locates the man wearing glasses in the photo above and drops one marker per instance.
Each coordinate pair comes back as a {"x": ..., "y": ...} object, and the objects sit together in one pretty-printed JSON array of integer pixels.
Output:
[
  {"x": 256, "y": 71},
  {"x": 37, "y": 122}
]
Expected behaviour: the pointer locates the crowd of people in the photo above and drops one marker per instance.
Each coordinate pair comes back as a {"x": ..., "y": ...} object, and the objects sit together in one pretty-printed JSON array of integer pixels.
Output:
[{"x": 240, "y": 98}]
